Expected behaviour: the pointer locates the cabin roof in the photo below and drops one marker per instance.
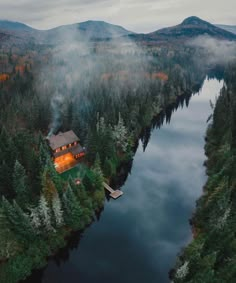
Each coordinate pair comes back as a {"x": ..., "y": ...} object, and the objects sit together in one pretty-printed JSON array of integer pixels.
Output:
[{"x": 56, "y": 141}]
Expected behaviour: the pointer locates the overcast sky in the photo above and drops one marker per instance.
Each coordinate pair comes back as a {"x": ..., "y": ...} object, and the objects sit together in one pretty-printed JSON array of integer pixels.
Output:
[{"x": 135, "y": 15}]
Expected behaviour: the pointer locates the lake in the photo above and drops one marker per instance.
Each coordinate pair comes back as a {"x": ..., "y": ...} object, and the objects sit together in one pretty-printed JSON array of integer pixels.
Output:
[{"x": 139, "y": 235}]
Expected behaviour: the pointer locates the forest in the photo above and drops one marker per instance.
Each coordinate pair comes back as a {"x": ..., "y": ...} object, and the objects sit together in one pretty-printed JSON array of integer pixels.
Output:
[{"x": 108, "y": 98}]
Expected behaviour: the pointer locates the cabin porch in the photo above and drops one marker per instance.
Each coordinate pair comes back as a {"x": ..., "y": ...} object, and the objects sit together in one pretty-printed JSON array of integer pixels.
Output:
[{"x": 65, "y": 162}]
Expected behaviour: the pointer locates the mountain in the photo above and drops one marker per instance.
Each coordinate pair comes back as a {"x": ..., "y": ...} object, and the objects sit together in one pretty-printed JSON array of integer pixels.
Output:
[
  {"x": 192, "y": 27},
  {"x": 89, "y": 30},
  {"x": 189, "y": 28},
  {"x": 228, "y": 28},
  {"x": 96, "y": 30},
  {"x": 14, "y": 26},
  {"x": 100, "y": 29}
]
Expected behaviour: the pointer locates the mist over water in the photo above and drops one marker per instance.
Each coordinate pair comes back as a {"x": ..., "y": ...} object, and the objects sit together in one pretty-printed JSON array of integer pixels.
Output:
[{"x": 139, "y": 235}]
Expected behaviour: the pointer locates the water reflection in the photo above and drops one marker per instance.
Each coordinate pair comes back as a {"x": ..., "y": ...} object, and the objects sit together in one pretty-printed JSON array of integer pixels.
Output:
[{"x": 138, "y": 236}]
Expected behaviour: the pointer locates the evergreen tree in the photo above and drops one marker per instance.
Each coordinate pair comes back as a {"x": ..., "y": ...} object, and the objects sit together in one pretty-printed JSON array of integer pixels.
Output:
[
  {"x": 45, "y": 213},
  {"x": 57, "y": 210},
  {"x": 88, "y": 181},
  {"x": 97, "y": 165},
  {"x": 43, "y": 154},
  {"x": 109, "y": 168},
  {"x": 6, "y": 181},
  {"x": 91, "y": 145},
  {"x": 120, "y": 134},
  {"x": 20, "y": 185},
  {"x": 35, "y": 218},
  {"x": 19, "y": 221},
  {"x": 53, "y": 175},
  {"x": 48, "y": 187},
  {"x": 72, "y": 210},
  {"x": 8, "y": 242}
]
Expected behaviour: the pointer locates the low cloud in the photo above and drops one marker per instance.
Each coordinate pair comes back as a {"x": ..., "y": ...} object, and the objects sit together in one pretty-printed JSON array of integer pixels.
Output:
[{"x": 218, "y": 51}]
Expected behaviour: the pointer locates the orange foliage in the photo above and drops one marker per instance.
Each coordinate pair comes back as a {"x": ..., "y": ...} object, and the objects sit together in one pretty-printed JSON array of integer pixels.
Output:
[
  {"x": 20, "y": 69},
  {"x": 4, "y": 77},
  {"x": 160, "y": 75},
  {"x": 124, "y": 75}
]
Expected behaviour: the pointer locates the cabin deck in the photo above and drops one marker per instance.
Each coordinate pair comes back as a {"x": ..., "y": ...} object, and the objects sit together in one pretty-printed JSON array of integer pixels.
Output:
[
  {"x": 113, "y": 193},
  {"x": 65, "y": 163}
]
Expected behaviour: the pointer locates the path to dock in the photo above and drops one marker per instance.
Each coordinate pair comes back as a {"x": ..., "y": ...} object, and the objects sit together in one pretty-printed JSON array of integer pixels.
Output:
[{"x": 113, "y": 193}]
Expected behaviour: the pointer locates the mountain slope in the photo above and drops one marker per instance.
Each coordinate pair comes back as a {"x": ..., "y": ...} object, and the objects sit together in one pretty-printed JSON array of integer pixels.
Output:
[
  {"x": 194, "y": 26},
  {"x": 98, "y": 30},
  {"x": 89, "y": 30},
  {"x": 191, "y": 27},
  {"x": 228, "y": 28},
  {"x": 14, "y": 26}
]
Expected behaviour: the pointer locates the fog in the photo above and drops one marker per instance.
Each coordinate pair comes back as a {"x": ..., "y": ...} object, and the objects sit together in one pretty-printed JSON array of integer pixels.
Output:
[
  {"x": 218, "y": 51},
  {"x": 78, "y": 65}
]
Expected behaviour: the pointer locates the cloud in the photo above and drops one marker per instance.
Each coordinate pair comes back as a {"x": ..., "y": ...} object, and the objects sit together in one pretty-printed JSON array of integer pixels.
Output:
[
  {"x": 217, "y": 51},
  {"x": 137, "y": 15}
]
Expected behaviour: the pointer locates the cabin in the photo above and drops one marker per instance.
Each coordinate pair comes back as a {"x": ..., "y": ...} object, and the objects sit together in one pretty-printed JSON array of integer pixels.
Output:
[{"x": 66, "y": 150}]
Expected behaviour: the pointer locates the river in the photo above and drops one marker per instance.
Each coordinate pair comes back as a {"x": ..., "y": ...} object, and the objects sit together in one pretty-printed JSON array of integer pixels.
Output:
[{"x": 138, "y": 236}]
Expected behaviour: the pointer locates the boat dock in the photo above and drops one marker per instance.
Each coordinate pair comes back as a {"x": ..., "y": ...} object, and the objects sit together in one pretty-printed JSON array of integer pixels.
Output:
[{"x": 113, "y": 193}]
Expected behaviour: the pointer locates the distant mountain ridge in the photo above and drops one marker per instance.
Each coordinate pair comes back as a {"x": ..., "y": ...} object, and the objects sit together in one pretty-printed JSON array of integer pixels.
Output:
[
  {"x": 192, "y": 27},
  {"x": 100, "y": 30},
  {"x": 228, "y": 28},
  {"x": 13, "y": 26},
  {"x": 88, "y": 29}
]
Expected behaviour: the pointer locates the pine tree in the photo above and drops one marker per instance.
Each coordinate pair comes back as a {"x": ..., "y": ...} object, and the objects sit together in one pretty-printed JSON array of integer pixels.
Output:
[
  {"x": 72, "y": 209},
  {"x": 43, "y": 154},
  {"x": 6, "y": 181},
  {"x": 57, "y": 210},
  {"x": 20, "y": 185},
  {"x": 97, "y": 179},
  {"x": 4, "y": 136},
  {"x": 120, "y": 134},
  {"x": 48, "y": 187},
  {"x": 91, "y": 145},
  {"x": 109, "y": 168},
  {"x": 97, "y": 165},
  {"x": 88, "y": 182},
  {"x": 53, "y": 175},
  {"x": 34, "y": 175},
  {"x": 19, "y": 221},
  {"x": 45, "y": 213},
  {"x": 8, "y": 242},
  {"x": 35, "y": 218}
]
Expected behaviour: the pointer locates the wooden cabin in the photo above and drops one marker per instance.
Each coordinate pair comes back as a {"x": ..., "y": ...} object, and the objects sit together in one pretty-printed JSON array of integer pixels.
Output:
[{"x": 66, "y": 150}]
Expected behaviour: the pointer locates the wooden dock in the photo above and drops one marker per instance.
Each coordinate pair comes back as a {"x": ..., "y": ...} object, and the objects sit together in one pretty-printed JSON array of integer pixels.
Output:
[{"x": 113, "y": 193}]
